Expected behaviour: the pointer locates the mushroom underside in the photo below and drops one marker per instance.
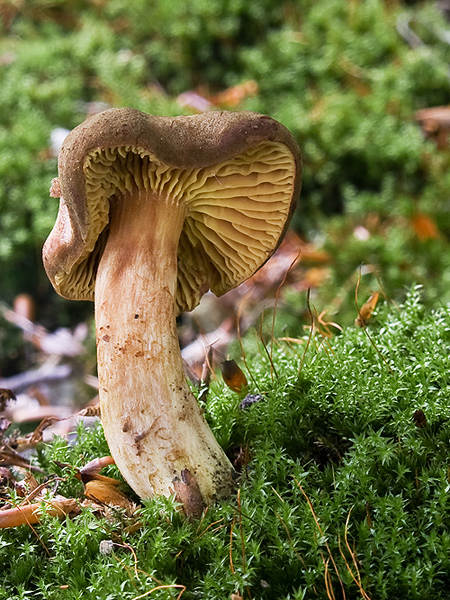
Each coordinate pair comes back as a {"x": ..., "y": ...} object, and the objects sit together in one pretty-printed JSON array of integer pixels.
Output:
[{"x": 235, "y": 213}]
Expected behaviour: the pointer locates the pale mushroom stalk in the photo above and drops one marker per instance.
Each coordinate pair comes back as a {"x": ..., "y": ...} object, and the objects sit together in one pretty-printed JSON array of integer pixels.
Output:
[{"x": 153, "y": 424}]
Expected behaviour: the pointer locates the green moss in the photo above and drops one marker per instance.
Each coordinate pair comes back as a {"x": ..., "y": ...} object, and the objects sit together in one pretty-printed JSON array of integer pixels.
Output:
[{"x": 338, "y": 471}]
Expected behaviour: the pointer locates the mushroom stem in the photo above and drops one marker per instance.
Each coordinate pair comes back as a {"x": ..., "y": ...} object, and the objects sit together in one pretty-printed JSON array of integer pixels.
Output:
[{"x": 152, "y": 422}]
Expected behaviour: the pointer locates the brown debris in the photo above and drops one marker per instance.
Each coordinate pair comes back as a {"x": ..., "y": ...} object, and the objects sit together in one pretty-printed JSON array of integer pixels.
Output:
[
  {"x": 435, "y": 124},
  {"x": 106, "y": 493},
  {"x": 5, "y": 396},
  {"x": 8, "y": 456},
  {"x": 234, "y": 377},
  {"x": 90, "y": 411},
  {"x": 366, "y": 310},
  {"x": 295, "y": 265},
  {"x": 201, "y": 100},
  {"x": 425, "y": 227},
  {"x": 419, "y": 418},
  {"x": 188, "y": 494}
]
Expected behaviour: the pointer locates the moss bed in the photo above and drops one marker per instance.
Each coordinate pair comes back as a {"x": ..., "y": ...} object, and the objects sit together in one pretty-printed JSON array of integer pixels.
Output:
[{"x": 343, "y": 490}]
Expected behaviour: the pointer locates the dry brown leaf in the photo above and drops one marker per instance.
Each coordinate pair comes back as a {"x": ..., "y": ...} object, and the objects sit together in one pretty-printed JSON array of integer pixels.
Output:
[
  {"x": 93, "y": 467},
  {"x": 103, "y": 492},
  {"x": 425, "y": 227},
  {"x": 315, "y": 276},
  {"x": 233, "y": 96},
  {"x": 367, "y": 309},
  {"x": 435, "y": 123},
  {"x": 8, "y": 456},
  {"x": 34, "y": 438},
  {"x": 188, "y": 494},
  {"x": 233, "y": 376}
]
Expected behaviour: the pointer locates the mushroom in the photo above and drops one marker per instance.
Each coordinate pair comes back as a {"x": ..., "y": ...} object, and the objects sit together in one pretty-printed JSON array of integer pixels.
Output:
[{"x": 155, "y": 211}]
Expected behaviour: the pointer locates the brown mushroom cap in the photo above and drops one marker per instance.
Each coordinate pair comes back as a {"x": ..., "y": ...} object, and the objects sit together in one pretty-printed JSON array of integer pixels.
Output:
[{"x": 237, "y": 173}]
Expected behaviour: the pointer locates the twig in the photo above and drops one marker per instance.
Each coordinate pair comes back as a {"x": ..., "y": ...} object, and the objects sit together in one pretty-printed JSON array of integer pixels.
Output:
[
  {"x": 239, "y": 336},
  {"x": 30, "y": 514},
  {"x": 363, "y": 325},
  {"x": 321, "y": 533},
  {"x": 356, "y": 578},
  {"x": 328, "y": 583},
  {"x": 231, "y": 545},
  {"x": 163, "y": 587},
  {"x": 242, "y": 529},
  {"x": 277, "y": 294},
  {"x": 272, "y": 366},
  {"x": 47, "y": 373},
  {"x": 308, "y": 306}
]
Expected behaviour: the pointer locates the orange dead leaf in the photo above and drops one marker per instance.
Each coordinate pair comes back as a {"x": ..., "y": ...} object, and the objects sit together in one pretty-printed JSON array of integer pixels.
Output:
[
  {"x": 315, "y": 276},
  {"x": 105, "y": 493},
  {"x": 425, "y": 227},
  {"x": 310, "y": 254},
  {"x": 233, "y": 376},
  {"x": 201, "y": 100},
  {"x": 233, "y": 96},
  {"x": 30, "y": 514},
  {"x": 367, "y": 309}
]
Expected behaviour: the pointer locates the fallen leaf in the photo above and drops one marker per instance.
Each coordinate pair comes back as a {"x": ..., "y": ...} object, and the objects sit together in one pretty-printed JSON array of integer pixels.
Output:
[
  {"x": 90, "y": 411},
  {"x": 93, "y": 467},
  {"x": 233, "y": 96},
  {"x": 367, "y": 309},
  {"x": 103, "y": 492},
  {"x": 34, "y": 438},
  {"x": 233, "y": 376},
  {"x": 425, "y": 227},
  {"x": 315, "y": 276},
  {"x": 188, "y": 494},
  {"x": 419, "y": 418},
  {"x": 435, "y": 123},
  {"x": 8, "y": 456}
]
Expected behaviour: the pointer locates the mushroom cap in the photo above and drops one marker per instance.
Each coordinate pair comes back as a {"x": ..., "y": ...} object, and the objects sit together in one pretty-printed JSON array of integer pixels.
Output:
[{"x": 237, "y": 173}]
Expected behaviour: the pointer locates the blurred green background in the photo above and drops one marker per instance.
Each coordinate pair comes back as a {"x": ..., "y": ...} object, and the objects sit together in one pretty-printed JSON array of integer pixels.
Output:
[{"x": 345, "y": 76}]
